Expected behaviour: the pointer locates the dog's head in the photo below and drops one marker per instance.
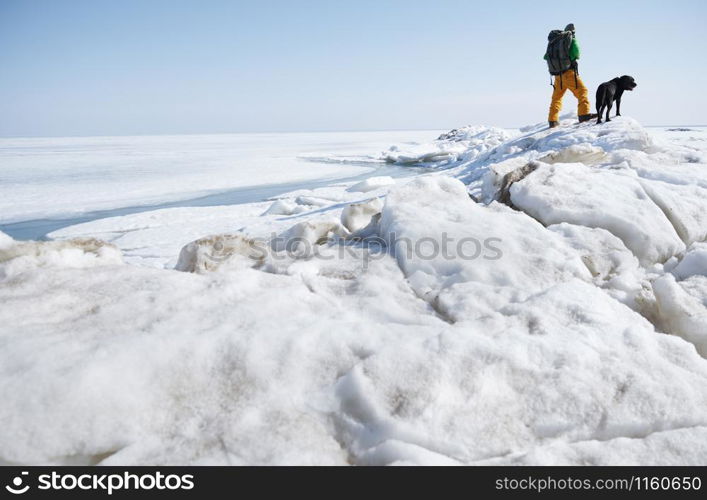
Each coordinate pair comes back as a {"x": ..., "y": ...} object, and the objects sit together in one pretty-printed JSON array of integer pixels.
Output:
[{"x": 627, "y": 82}]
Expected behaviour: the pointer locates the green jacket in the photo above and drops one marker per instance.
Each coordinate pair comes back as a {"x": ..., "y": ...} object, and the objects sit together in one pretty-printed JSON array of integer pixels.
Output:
[{"x": 574, "y": 50}]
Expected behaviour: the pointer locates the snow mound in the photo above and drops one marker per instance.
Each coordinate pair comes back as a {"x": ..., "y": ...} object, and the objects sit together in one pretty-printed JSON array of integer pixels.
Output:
[
  {"x": 682, "y": 308},
  {"x": 20, "y": 256},
  {"x": 683, "y": 205},
  {"x": 300, "y": 204},
  {"x": 605, "y": 255},
  {"x": 285, "y": 207},
  {"x": 312, "y": 201},
  {"x": 619, "y": 134},
  {"x": 357, "y": 216},
  {"x": 464, "y": 144},
  {"x": 371, "y": 184},
  {"x": 304, "y": 237},
  {"x": 592, "y": 197},
  {"x": 482, "y": 164},
  {"x": 576, "y": 153},
  {"x": 472, "y": 259},
  {"x": 5, "y": 241},
  {"x": 693, "y": 263},
  {"x": 221, "y": 252},
  {"x": 547, "y": 369}
]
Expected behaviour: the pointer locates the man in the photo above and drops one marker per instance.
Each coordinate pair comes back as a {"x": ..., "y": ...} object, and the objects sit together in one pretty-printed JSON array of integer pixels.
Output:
[{"x": 562, "y": 55}]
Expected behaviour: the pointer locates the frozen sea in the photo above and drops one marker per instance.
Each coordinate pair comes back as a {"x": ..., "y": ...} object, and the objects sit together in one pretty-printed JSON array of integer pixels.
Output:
[{"x": 50, "y": 183}]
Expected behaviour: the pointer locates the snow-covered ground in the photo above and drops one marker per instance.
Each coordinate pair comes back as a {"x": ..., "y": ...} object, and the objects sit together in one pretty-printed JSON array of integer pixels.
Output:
[
  {"x": 533, "y": 297},
  {"x": 59, "y": 177}
]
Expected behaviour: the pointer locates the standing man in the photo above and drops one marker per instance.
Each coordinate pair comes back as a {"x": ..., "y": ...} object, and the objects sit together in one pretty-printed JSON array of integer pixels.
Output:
[{"x": 561, "y": 55}]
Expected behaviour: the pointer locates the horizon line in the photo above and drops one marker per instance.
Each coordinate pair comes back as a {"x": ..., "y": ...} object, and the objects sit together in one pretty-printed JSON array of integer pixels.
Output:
[{"x": 161, "y": 134}]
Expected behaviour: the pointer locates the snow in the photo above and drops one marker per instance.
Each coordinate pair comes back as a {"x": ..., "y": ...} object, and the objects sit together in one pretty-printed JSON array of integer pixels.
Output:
[
  {"x": 575, "y": 193},
  {"x": 59, "y": 177},
  {"x": 5, "y": 241},
  {"x": 219, "y": 252},
  {"x": 546, "y": 369},
  {"x": 682, "y": 205},
  {"x": 371, "y": 184},
  {"x": 681, "y": 297},
  {"x": 693, "y": 263},
  {"x": 605, "y": 255},
  {"x": 667, "y": 448},
  {"x": 473, "y": 259},
  {"x": 156, "y": 237},
  {"x": 357, "y": 216},
  {"x": 529, "y": 296},
  {"x": 682, "y": 308},
  {"x": 17, "y": 257},
  {"x": 463, "y": 144},
  {"x": 285, "y": 207}
]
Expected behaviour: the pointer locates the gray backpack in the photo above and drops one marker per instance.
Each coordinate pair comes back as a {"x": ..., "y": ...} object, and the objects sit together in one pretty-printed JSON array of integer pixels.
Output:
[{"x": 558, "y": 51}]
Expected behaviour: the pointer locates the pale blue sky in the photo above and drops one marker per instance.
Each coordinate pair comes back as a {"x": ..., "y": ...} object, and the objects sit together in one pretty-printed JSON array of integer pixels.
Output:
[{"x": 99, "y": 67}]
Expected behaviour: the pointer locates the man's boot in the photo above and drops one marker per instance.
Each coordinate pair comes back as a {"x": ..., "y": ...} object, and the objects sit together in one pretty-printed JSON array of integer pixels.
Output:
[
  {"x": 586, "y": 118},
  {"x": 554, "y": 124}
]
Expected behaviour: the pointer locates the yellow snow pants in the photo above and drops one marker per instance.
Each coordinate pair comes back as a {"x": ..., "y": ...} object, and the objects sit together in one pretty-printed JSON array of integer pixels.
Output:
[{"x": 566, "y": 81}]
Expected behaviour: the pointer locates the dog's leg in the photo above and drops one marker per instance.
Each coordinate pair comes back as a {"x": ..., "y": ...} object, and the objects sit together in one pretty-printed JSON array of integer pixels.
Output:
[
  {"x": 608, "y": 110},
  {"x": 601, "y": 104},
  {"x": 618, "y": 106},
  {"x": 602, "y": 110},
  {"x": 598, "y": 112}
]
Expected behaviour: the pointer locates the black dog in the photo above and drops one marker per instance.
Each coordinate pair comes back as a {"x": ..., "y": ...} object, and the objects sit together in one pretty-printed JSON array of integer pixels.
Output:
[{"x": 611, "y": 91}]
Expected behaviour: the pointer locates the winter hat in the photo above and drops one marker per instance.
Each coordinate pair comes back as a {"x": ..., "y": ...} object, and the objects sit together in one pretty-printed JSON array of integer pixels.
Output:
[{"x": 570, "y": 27}]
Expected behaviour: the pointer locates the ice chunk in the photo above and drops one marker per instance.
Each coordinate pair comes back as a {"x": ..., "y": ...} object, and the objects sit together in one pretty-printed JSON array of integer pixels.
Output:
[
  {"x": 682, "y": 308},
  {"x": 285, "y": 207},
  {"x": 303, "y": 237},
  {"x": 155, "y": 238},
  {"x": 463, "y": 144},
  {"x": 620, "y": 133},
  {"x": 684, "y": 205},
  {"x": 372, "y": 183},
  {"x": 468, "y": 259},
  {"x": 566, "y": 365},
  {"x": 5, "y": 241},
  {"x": 219, "y": 252},
  {"x": 593, "y": 197},
  {"x": 356, "y": 216},
  {"x": 693, "y": 263},
  {"x": 313, "y": 201},
  {"x": 605, "y": 255},
  {"x": 520, "y": 173},
  {"x": 576, "y": 153}
]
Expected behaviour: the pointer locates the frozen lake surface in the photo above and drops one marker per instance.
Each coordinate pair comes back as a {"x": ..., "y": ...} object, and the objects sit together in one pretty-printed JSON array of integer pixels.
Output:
[{"x": 50, "y": 183}]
